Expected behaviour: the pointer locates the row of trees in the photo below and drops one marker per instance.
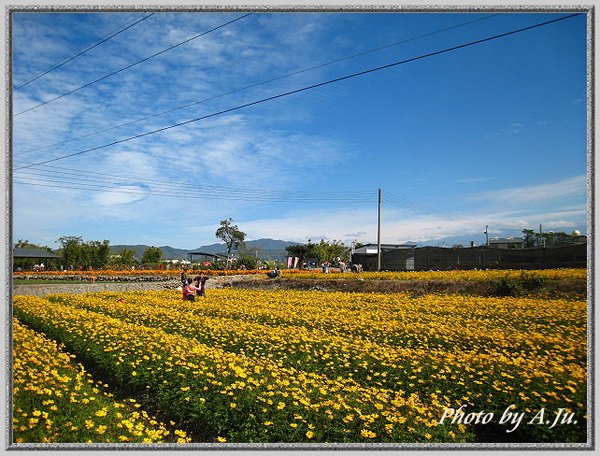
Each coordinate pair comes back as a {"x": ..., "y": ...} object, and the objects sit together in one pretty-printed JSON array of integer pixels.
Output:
[
  {"x": 533, "y": 239},
  {"x": 75, "y": 253},
  {"x": 324, "y": 251}
]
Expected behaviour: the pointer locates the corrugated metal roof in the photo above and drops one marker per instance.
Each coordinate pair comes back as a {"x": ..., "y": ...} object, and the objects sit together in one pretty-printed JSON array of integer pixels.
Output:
[{"x": 32, "y": 253}]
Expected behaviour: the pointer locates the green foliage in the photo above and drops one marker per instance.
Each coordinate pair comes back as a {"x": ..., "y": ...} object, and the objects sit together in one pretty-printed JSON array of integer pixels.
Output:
[
  {"x": 248, "y": 258},
  {"x": 529, "y": 238},
  {"x": 519, "y": 286},
  {"x": 125, "y": 258},
  {"x": 77, "y": 253},
  {"x": 323, "y": 251},
  {"x": 152, "y": 255},
  {"x": 533, "y": 239},
  {"x": 231, "y": 235},
  {"x": 247, "y": 261}
]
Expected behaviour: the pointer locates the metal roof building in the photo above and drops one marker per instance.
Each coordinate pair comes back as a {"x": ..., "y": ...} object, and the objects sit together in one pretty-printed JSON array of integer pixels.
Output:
[
  {"x": 372, "y": 248},
  {"x": 32, "y": 253}
]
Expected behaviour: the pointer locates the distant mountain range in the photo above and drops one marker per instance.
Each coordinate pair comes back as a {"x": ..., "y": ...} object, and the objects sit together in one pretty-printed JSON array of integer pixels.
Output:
[{"x": 266, "y": 249}]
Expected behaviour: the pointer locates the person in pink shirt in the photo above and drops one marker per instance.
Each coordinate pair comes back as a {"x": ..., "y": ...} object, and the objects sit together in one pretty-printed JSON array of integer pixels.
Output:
[{"x": 188, "y": 291}]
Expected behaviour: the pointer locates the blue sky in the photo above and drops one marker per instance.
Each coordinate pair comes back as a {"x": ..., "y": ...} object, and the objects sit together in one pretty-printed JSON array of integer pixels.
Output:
[{"x": 491, "y": 134}]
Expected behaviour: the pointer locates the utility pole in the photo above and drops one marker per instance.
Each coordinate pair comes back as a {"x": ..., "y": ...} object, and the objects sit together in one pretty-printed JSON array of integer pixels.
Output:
[
  {"x": 487, "y": 240},
  {"x": 378, "y": 229}
]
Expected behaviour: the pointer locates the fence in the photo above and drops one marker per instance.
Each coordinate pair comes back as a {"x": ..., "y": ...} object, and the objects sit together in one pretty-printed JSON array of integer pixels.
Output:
[{"x": 440, "y": 258}]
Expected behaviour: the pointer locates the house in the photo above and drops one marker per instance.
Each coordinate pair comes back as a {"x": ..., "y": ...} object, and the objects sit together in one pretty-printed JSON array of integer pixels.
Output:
[
  {"x": 394, "y": 256},
  {"x": 372, "y": 248},
  {"x": 506, "y": 243}
]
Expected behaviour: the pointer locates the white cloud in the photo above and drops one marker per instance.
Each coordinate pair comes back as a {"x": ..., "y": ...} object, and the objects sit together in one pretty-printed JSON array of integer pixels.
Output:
[
  {"x": 473, "y": 180},
  {"x": 566, "y": 188},
  {"x": 123, "y": 194},
  {"x": 398, "y": 227}
]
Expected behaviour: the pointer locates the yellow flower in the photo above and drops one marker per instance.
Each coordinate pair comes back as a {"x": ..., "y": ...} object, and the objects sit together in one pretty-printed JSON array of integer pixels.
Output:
[
  {"x": 367, "y": 434},
  {"x": 310, "y": 434}
]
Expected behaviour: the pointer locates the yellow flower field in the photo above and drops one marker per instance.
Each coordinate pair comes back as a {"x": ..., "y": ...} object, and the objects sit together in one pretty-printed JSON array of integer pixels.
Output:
[
  {"x": 302, "y": 366},
  {"x": 57, "y": 401},
  {"x": 471, "y": 274}
]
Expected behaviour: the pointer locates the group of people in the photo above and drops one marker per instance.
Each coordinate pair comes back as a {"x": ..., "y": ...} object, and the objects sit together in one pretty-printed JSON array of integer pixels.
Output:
[{"x": 192, "y": 288}]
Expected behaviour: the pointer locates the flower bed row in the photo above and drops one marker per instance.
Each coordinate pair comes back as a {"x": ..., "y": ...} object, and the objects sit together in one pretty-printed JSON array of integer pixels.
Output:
[
  {"x": 470, "y": 275},
  {"x": 219, "y": 395},
  {"x": 441, "y": 351},
  {"x": 56, "y": 401},
  {"x": 428, "y": 340}
]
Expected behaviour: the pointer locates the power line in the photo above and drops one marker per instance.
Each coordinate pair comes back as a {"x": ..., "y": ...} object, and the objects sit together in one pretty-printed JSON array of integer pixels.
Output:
[
  {"x": 95, "y": 180},
  {"x": 133, "y": 64},
  {"x": 405, "y": 203},
  {"x": 111, "y": 35},
  {"x": 321, "y": 65},
  {"x": 179, "y": 193},
  {"x": 303, "y": 89}
]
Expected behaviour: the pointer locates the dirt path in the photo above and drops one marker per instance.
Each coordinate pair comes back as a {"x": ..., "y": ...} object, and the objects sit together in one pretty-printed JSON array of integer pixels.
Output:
[{"x": 54, "y": 288}]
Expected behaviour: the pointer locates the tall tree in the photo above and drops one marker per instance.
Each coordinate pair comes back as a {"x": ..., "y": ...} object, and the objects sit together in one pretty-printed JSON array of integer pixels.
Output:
[
  {"x": 99, "y": 253},
  {"x": 529, "y": 238},
  {"x": 127, "y": 257},
  {"x": 301, "y": 251},
  {"x": 231, "y": 235},
  {"x": 72, "y": 252},
  {"x": 152, "y": 255}
]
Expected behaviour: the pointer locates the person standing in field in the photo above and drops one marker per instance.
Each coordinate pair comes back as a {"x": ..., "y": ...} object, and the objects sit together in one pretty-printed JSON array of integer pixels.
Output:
[
  {"x": 184, "y": 278},
  {"x": 188, "y": 291},
  {"x": 200, "y": 281}
]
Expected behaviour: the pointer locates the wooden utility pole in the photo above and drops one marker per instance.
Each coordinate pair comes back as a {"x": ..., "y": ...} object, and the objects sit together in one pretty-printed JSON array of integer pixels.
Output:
[{"x": 379, "y": 229}]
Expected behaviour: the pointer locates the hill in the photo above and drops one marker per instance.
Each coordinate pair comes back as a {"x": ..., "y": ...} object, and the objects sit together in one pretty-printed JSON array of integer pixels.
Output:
[{"x": 266, "y": 249}]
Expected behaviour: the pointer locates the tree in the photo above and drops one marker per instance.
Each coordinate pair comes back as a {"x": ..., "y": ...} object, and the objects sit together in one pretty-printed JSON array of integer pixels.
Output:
[
  {"x": 331, "y": 251},
  {"x": 302, "y": 251},
  {"x": 323, "y": 251},
  {"x": 231, "y": 235},
  {"x": 248, "y": 258},
  {"x": 125, "y": 258},
  {"x": 72, "y": 251},
  {"x": 98, "y": 253},
  {"x": 76, "y": 253},
  {"x": 533, "y": 239},
  {"x": 529, "y": 238},
  {"x": 152, "y": 255}
]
